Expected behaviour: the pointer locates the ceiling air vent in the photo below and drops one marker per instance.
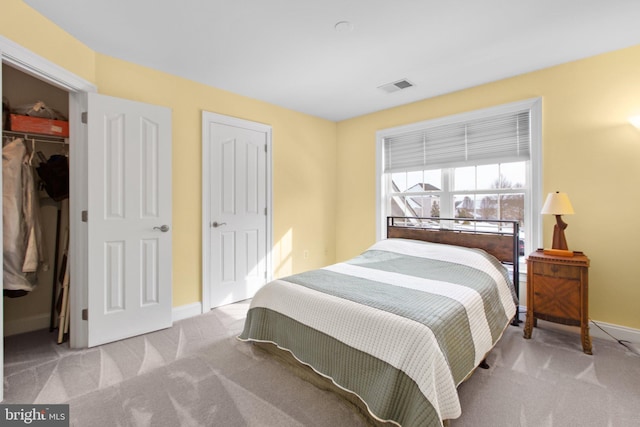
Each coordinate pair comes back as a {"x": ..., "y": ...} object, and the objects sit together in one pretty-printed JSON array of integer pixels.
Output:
[{"x": 396, "y": 86}]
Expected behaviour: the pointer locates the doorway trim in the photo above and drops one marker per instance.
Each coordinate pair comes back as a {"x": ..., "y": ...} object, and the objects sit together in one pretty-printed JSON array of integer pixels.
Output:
[
  {"x": 35, "y": 65},
  {"x": 206, "y": 197}
]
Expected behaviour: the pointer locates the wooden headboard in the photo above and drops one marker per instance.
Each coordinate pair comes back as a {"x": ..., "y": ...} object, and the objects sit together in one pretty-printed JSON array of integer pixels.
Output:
[{"x": 499, "y": 238}]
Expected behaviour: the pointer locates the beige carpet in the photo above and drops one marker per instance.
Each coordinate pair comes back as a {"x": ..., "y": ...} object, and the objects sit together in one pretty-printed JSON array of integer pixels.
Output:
[{"x": 197, "y": 374}]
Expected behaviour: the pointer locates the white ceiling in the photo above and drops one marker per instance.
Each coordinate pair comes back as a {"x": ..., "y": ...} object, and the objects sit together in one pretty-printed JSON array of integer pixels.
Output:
[{"x": 288, "y": 53}]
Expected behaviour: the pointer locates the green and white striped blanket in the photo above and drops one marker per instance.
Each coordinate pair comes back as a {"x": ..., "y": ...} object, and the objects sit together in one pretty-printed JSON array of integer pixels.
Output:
[{"x": 401, "y": 325}]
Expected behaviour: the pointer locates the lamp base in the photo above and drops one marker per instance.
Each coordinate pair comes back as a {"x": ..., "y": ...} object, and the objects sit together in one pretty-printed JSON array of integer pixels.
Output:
[
  {"x": 557, "y": 252},
  {"x": 559, "y": 241}
]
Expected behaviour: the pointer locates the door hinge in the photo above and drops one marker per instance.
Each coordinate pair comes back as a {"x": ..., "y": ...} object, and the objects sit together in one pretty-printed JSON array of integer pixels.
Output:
[
  {"x": 85, "y": 314},
  {"x": 265, "y": 148},
  {"x": 85, "y": 216},
  {"x": 265, "y": 211},
  {"x": 84, "y": 117}
]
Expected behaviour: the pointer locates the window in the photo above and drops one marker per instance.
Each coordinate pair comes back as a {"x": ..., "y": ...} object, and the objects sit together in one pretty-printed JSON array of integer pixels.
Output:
[{"x": 483, "y": 164}]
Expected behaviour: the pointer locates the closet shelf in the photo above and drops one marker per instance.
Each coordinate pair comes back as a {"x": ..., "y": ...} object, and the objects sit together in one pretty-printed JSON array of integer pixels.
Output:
[{"x": 36, "y": 137}]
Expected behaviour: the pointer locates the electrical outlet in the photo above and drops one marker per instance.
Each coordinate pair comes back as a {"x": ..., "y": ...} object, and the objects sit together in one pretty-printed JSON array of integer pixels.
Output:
[{"x": 305, "y": 254}]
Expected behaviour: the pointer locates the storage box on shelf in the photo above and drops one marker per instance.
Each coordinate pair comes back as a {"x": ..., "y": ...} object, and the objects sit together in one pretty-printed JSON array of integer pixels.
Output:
[{"x": 37, "y": 125}]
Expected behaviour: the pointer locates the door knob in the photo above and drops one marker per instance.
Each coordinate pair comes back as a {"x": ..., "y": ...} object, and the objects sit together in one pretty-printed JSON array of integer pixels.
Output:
[
  {"x": 163, "y": 228},
  {"x": 216, "y": 224}
]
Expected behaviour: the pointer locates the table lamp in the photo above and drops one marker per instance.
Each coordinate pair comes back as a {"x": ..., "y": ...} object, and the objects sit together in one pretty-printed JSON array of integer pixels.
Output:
[{"x": 558, "y": 204}]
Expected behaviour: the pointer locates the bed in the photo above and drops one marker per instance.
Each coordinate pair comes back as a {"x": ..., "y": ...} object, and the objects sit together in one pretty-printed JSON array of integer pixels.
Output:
[{"x": 402, "y": 325}]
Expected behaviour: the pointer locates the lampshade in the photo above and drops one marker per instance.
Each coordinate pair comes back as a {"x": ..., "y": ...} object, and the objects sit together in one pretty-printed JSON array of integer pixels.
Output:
[{"x": 557, "y": 204}]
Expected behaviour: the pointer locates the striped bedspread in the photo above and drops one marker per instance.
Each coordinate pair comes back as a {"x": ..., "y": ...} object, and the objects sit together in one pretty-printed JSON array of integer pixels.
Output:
[{"x": 401, "y": 325}]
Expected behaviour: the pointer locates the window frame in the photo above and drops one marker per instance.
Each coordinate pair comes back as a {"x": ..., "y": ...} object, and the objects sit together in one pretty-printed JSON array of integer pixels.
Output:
[
  {"x": 447, "y": 192},
  {"x": 533, "y": 221}
]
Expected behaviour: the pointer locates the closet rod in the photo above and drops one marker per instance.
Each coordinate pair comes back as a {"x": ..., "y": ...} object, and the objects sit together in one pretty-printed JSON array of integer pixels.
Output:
[{"x": 37, "y": 138}]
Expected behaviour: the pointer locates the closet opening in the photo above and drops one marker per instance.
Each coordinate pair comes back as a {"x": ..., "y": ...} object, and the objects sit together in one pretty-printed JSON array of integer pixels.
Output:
[{"x": 36, "y": 228}]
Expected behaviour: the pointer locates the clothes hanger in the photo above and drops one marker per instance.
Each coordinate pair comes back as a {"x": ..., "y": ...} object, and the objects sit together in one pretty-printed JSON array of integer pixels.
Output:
[{"x": 65, "y": 148}]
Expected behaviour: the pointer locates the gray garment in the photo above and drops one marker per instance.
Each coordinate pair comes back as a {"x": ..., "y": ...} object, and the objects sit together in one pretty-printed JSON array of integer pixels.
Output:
[{"x": 23, "y": 246}]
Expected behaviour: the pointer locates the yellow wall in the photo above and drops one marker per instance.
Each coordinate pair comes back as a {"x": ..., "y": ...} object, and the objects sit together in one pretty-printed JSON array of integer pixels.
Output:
[
  {"x": 303, "y": 150},
  {"x": 589, "y": 150}
]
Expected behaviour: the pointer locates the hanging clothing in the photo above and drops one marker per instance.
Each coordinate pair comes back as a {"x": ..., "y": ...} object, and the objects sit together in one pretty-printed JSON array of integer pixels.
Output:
[
  {"x": 23, "y": 251},
  {"x": 54, "y": 174}
]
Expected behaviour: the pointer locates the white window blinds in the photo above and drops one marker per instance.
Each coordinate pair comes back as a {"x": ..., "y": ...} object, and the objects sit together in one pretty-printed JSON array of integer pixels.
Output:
[{"x": 501, "y": 138}]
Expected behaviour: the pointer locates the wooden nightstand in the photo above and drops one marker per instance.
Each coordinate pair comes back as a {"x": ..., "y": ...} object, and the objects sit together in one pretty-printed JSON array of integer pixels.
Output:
[{"x": 558, "y": 291}]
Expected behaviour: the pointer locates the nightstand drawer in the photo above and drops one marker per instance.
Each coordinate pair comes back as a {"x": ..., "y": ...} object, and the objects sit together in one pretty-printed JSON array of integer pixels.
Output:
[
  {"x": 556, "y": 270},
  {"x": 558, "y": 299}
]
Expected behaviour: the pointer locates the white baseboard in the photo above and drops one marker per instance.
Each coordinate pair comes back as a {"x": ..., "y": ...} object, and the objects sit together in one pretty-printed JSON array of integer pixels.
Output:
[
  {"x": 26, "y": 324},
  {"x": 186, "y": 311},
  {"x": 618, "y": 332}
]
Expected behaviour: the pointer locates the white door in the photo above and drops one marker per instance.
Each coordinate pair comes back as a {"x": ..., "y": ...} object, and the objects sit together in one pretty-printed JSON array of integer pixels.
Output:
[
  {"x": 237, "y": 197},
  {"x": 129, "y": 218}
]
